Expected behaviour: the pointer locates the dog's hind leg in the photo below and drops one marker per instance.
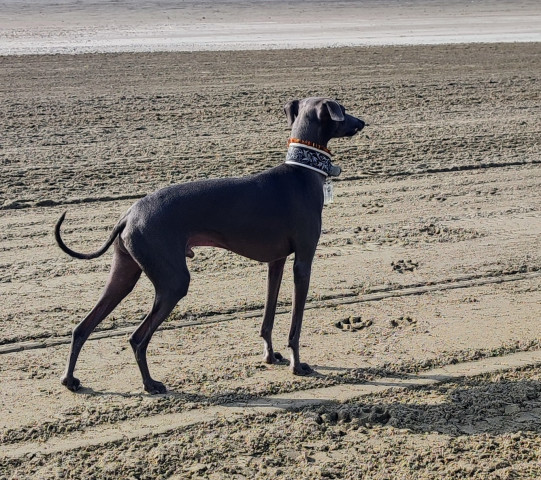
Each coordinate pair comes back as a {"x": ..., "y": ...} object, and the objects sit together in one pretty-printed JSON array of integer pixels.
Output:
[
  {"x": 274, "y": 279},
  {"x": 122, "y": 278},
  {"x": 171, "y": 282}
]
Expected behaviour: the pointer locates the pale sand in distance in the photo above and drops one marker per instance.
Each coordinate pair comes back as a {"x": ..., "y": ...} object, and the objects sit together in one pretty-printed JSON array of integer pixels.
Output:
[{"x": 47, "y": 26}]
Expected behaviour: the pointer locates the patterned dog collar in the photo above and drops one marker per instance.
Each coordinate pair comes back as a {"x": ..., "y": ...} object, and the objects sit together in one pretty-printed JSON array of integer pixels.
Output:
[{"x": 312, "y": 158}]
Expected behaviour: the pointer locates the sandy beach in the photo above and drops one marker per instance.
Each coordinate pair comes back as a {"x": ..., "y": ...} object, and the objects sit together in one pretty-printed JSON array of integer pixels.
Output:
[
  {"x": 64, "y": 26},
  {"x": 424, "y": 314}
]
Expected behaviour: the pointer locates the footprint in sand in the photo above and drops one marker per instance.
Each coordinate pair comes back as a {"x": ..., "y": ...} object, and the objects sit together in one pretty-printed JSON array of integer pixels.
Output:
[
  {"x": 402, "y": 266},
  {"x": 403, "y": 321},
  {"x": 353, "y": 323}
]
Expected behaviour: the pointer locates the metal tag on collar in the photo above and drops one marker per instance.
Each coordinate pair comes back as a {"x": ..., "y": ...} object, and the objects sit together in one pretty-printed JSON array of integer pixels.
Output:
[
  {"x": 334, "y": 171},
  {"x": 327, "y": 192}
]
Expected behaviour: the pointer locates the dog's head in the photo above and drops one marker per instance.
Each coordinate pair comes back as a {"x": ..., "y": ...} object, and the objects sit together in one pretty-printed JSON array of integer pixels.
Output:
[{"x": 319, "y": 119}]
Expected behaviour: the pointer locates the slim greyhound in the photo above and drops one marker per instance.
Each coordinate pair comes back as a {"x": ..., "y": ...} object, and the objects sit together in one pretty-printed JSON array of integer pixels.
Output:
[{"x": 265, "y": 217}]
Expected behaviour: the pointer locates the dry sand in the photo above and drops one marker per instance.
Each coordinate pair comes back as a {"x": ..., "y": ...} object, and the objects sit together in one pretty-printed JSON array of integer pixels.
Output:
[{"x": 429, "y": 257}]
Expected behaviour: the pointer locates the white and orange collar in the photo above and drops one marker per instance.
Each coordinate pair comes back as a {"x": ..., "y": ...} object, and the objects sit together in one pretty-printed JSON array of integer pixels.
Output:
[{"x": 312, "y": 156}]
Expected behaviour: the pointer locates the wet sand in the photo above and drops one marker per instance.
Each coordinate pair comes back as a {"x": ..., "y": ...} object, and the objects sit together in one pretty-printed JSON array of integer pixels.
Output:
[{"x": 125, "y": 26}]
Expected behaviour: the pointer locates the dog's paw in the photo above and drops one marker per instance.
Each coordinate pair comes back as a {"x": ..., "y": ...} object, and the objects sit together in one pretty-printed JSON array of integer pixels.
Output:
[
  {"x": 278, "y": 356},
  {"x": 154, "y": 387},
  {"x": 302, "y": 369},
  {"x": 71, "y": 383},
  {"x": 275, "y": 358}
]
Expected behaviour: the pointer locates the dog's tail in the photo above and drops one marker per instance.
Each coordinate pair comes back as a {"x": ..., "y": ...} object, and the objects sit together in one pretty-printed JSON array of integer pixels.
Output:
[{"x": 88, "y": 256}]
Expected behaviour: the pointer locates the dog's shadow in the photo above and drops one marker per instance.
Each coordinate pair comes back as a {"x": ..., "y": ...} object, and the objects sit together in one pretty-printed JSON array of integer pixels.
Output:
[
  {"x": 470, "y": 406},
  {"x": 465, "y": 406},
  {"x": 454, "y": 406},
  {"x": 345, "y": 376},
  {"x": 185, "y": 397}
]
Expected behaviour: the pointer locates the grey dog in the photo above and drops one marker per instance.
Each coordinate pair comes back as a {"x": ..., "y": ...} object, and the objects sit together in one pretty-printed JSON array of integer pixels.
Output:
[{"x": 265, "y": 217}]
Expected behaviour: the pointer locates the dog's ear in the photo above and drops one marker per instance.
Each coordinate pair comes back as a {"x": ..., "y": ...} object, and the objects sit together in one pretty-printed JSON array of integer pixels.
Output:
[
  {"x": 335, "y": 110},
  {"x": 292, "y": 110}
]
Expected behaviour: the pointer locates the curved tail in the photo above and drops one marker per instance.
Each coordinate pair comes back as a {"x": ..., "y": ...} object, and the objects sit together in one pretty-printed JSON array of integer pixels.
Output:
[{"x": 88, "y": 256}]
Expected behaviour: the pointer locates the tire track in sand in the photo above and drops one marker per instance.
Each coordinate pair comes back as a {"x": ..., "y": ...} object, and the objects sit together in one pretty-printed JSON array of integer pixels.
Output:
[
  {"x": 343, "y": 299},
  {"x": 24, "y": 204}
]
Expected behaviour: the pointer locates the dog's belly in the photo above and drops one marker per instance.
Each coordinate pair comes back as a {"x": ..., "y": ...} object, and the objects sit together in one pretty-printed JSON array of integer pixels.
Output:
[
  {"x": 261, "y": 251},
  {"x": 201, "y": 241}
]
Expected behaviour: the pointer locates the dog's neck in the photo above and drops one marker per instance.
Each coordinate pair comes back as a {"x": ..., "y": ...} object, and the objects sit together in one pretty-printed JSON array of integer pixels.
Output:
[{"x": 312, "y": 156}]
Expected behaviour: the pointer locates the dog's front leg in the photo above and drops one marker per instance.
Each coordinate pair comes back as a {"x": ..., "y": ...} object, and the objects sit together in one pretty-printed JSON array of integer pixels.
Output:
[
  {"x": 301, "y": 276},
  {"x": 274, "y": 279}
]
